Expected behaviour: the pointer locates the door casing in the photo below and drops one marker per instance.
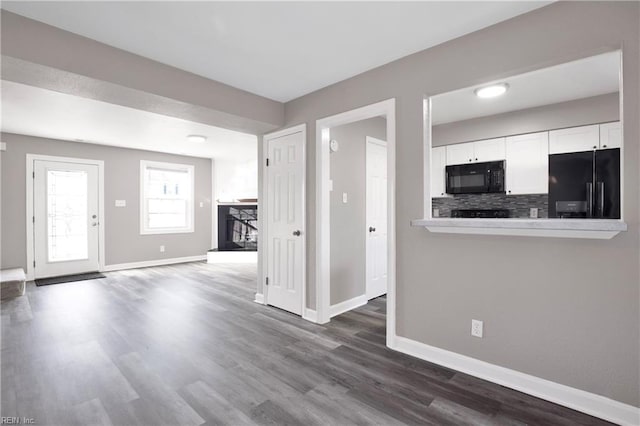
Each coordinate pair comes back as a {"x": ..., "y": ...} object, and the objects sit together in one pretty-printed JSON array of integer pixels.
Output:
[
  {"x": 385, "y": 109},
  {"x": 30, "y": 235}
]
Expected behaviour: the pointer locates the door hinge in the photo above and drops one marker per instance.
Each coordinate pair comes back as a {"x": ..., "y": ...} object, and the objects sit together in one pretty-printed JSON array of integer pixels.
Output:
[
  {"x": 34, "y": 263},
  {"x": 33, "y": 175},
  {"x": 267, "y": 162},
  {"x": 266, "y": 281},
  {"x": 33, "y": 219}
]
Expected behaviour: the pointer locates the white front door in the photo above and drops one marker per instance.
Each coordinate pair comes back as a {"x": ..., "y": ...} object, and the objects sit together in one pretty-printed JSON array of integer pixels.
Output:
[
  {"x": 285, "y": 223},
  {"x": 376, "y": 225},
  {"x": 65, "y": 218}
]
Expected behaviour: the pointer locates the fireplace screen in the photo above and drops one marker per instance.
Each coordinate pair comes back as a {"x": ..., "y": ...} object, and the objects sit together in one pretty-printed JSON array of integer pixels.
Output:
[{"x": 238, "y": 227}]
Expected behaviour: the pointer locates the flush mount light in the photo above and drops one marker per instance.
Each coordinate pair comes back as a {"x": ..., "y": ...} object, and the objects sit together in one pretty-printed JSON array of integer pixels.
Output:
[
  {"x": 492, "y": 91},
  {"x": 196, "y": 138}
]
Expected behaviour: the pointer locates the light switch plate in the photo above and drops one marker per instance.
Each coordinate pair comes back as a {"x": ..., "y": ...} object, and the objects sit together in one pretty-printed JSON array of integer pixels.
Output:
[
  {"x": 344, "y": 197},
  {"x": 201, "y": 204},
  {"x": 3, "y": 146},
  {"x": 121, "y": 203}
]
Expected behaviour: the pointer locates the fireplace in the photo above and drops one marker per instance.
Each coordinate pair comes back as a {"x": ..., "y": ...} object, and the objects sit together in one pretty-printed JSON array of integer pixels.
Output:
[{"x": 238, "y": 227}]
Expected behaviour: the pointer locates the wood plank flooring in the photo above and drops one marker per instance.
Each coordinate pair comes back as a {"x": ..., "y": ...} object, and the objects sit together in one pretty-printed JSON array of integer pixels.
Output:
[{"x": 186, "y": 345}]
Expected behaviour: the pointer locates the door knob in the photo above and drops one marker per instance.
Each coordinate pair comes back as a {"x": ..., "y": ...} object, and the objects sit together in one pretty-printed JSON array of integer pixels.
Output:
[
  {"x": 297, "y": 233},
  {"x": 94, "y": 224},
  {"x": 372, "y": 229}
]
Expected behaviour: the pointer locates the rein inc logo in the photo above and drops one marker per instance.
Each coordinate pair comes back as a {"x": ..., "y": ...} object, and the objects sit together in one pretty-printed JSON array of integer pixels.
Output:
[{"x": 17, "y": 421}]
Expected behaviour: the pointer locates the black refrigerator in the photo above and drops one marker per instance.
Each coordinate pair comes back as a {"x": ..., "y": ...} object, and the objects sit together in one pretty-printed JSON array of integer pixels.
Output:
[{"x": 585, "y": 184}]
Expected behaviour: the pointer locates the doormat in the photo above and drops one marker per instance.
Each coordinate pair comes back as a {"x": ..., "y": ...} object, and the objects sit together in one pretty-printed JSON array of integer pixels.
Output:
[{"x": 69, "y": 278}]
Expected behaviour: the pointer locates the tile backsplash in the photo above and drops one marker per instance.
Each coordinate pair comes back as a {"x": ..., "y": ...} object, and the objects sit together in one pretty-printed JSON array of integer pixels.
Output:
[{"x": 518, "y": 205}]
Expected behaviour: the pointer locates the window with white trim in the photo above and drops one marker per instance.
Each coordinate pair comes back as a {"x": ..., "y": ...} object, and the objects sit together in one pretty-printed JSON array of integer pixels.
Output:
[{"x": 166, "y": 197}]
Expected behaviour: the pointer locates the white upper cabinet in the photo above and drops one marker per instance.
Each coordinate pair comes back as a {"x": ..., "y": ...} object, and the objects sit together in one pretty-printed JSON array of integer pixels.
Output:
[
  {"x": 459, "y": 153},
  {"x": 438, "y": 164},
  {"x": 610, "y": 135},
  {"x": 574, "y": 139},
  {"x": 476, "y": 152},
  {"x": 489, "y": 150},
  {"x": 527, "y": 164}
]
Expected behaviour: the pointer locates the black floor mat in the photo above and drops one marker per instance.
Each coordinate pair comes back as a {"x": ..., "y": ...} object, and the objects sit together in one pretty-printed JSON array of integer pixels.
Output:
[{"x": 69, "y": 278}]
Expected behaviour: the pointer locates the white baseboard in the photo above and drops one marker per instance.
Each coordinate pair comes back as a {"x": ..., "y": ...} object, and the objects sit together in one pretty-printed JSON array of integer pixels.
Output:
[
  {"x": 347, "y": 305},
  {"x": 147, "y": 263},
  {"x": 310, "y": 315},
  {"x": 586, "y": 402},
  {"x": 259, "y": 298},
  {"x": 232, "y": 257}
]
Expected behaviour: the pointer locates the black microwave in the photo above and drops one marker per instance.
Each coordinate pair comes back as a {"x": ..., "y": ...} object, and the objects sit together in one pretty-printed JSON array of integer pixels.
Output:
[{"x": 476, "y": 178}]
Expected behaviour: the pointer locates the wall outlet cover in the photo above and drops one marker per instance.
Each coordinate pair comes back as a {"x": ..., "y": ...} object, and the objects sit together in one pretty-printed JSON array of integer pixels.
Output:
[
  {"x": 533, "y": 213},
  {"x": 161, "y": 249},
  {"x": 436, "y": 212},
  {"x": 344, "y": 197},
  {"x": 476, "y": 328}
]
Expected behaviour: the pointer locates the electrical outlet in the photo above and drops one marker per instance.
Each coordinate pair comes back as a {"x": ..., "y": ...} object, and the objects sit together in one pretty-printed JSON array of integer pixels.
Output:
[
  {"x": 161, "y": 249},
  {"x": 344, "y": 197},
  {"x": 533, "y": 213},
  {"x": 476, "y": 328},
  {"x": 201, "y": 204}
]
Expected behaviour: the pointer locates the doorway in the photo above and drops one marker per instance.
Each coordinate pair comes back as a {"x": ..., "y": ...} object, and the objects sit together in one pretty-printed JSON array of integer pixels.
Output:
[
  {"x": 283, "y": 263},
  {"x": 385, "y": 109},
  {"x": 64, "y": 212}
]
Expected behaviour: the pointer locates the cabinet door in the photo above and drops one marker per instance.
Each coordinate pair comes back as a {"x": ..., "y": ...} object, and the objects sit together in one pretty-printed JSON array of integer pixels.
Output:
[
  {"x": 574, "y": 139},
  {"x": 488, "y": 150},
  {"x": 438, "y": 163},
  {"x": 460, "y": 153},
  {"x": 610, "y": 135},
  {"x": 527, "y": 164}
]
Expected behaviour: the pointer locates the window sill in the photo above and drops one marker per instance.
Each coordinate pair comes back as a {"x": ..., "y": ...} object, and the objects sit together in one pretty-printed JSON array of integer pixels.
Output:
[{"x": 602, "y": 229}]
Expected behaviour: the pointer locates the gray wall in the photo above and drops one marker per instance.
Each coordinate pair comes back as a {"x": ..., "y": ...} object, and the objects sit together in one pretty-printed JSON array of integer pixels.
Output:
[
  {"x": 596, "y": 109},
  {"x": 566, "y": 310},
  {"x": 123, "y": 242},
  {"x": 44, "y": 56},
  {"x": 348, "y": 221}
]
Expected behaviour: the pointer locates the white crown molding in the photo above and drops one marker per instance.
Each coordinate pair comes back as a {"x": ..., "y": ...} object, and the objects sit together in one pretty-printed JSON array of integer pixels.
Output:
[
  {"x": 576, "y": 399},
  {"x": 148, "y": 263}
]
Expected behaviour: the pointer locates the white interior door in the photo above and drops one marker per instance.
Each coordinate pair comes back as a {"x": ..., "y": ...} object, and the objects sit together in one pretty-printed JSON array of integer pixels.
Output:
[
  {"x": 285, "y": 222},
  {"x": 65, "y": 217},
  {"x": 376, "y": 226}
]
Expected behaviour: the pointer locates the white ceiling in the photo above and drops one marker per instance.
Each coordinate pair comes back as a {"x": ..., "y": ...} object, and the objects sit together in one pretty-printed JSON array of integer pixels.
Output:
[
  {"x": 34, "y": 111},
  {"x": 280, "y": 50},
  {"x": 579, "y": 79}
]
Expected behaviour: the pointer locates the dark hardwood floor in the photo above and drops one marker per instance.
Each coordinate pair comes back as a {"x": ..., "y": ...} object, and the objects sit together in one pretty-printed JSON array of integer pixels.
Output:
[{"x": 186, "y": 345}]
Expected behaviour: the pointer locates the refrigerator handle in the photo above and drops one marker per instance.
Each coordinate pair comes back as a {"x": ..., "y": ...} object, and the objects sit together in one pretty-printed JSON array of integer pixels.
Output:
[
  {"x": 589, "y": 199},
  {"x": 600, "y": 198}
]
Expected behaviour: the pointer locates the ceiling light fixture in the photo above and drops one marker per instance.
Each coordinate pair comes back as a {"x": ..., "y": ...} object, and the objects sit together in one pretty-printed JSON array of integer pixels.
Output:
[
  {"x": 492, "y": 91},
  {"x": 197, "y": 138}
]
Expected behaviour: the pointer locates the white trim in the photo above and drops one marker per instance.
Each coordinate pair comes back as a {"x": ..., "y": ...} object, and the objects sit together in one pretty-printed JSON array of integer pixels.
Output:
[
  {"x": 259, "y": 298},
  {"x": 159, "y": 262},
  {"x": 264, "y": 229},
  {"x": 385, "y": 108},
  {"x": 347, "y": 305},
  {"x": 190, "y": 169},
  {"x": 31, "y": 158},
  {"x": 310, "y": 315},
  {"x": 214, "y": 207},
  {"x": 586, "y": 402}
]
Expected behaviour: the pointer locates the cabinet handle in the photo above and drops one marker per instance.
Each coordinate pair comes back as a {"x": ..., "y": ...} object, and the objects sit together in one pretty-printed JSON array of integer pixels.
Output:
[
  {"x": 604, "y": 146},
  {"x": 476, "y": 159},
  {"x": 595, "y": 147}
]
